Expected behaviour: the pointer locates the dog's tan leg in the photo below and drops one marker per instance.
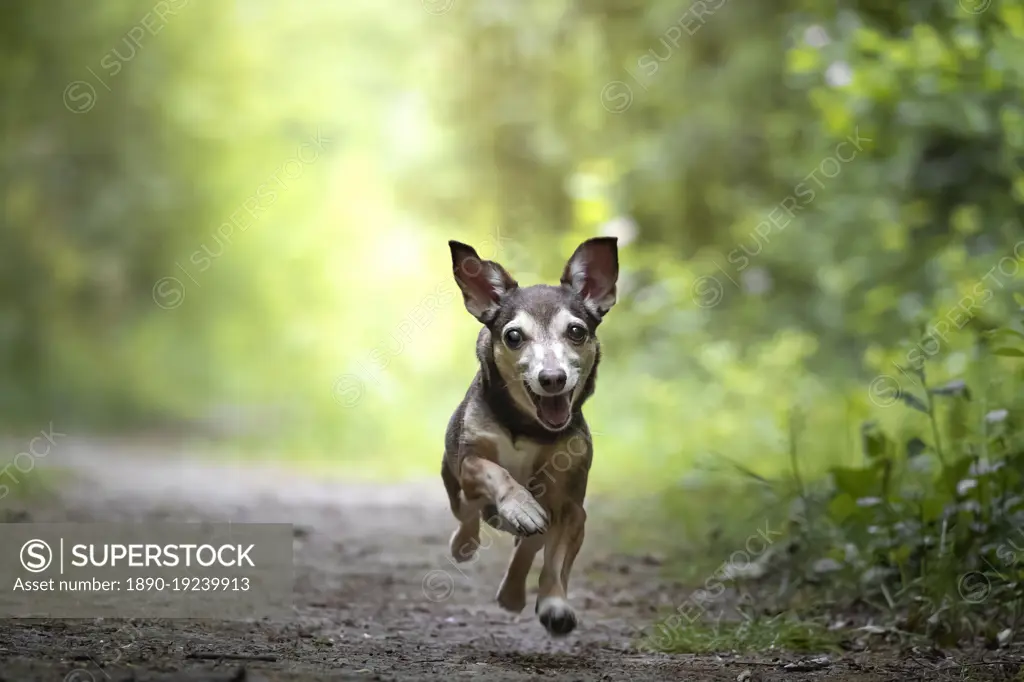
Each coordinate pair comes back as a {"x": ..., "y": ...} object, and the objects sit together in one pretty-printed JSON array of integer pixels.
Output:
[
  {"x": 466, "y": 538},
  {"x": 512, "y": 593},
  {"x": 561, "y": 545},
  {"x": 484, "y": 481}
]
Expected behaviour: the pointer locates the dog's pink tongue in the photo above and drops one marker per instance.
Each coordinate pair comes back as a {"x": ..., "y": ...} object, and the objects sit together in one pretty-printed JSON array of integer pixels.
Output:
[{"x": 554, "y": 409}]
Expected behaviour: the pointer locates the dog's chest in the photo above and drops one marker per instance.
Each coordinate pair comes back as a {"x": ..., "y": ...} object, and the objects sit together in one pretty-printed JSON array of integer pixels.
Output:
[{"x": 520, "y": 458}]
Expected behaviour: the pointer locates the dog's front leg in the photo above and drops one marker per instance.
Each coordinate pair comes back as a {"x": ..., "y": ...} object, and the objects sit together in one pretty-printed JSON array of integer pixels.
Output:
[
  {"x": 561, "y": 545},
  {"x": 485, "y": 481},
  {"x": 512, "y": 593}
]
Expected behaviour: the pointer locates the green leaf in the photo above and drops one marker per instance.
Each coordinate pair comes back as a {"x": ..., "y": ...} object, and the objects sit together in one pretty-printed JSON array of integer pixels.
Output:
[
  {"x": 953, "y": 473},
  {"x": 803, "y": 60},
  {"x": 1006, "y": 331},
  {"x": 842, "y": 507},
  {"x": 1009, "y": 352},
  {"x": 900, "y": 555},
  {"x": 876, "y": 445},
  {"x": 955, "y": 387},
  {"x": 915, "y": 446},
  {"x": 913, "y": 401},
  {"x": 932, "y": 508},
  {"x": 856, "y": 483}
]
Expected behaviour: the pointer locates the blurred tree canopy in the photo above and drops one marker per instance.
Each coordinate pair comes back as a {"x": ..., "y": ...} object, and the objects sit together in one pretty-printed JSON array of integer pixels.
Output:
[
  {"x": 808, "y": 183},
  {"x": 139, "y": 144},
  {"x": 703, "y": 118},
  {"x": 96, "y": 200}
]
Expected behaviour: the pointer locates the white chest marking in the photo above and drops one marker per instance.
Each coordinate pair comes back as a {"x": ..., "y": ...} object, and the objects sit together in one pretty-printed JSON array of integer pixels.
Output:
[{"x": 518, "y": 460}]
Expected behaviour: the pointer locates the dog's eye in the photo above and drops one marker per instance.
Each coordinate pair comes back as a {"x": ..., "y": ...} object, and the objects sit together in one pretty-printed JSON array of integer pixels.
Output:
[
  {"x": 513, "y": 338},
  {"x": 577, "y": 333}
]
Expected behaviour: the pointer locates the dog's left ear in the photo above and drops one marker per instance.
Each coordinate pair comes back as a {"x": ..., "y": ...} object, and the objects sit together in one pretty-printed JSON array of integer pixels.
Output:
[{"x": 592, "y": 272}]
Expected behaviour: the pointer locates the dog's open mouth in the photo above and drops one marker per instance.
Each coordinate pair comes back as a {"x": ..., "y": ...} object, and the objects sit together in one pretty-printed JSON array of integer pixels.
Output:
[{"x": 554, "y": 411}]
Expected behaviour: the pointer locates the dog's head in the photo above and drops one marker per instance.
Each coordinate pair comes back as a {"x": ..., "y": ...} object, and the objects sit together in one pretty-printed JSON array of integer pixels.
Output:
[{"x": 541, "y": 339}]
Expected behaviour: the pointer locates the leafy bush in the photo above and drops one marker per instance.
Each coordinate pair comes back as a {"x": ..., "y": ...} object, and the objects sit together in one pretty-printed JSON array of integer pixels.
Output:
[{"x": 928, "y": 528}]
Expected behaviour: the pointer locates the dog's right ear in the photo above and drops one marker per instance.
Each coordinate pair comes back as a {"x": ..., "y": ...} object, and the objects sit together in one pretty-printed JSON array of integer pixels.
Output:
[{"x": 482, "y": 282}]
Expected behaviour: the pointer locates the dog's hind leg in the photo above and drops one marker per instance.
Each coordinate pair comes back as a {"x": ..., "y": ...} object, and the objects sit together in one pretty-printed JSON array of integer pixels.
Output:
[
  {"x": 561, "y": 545},
  {"x": 512, "y": 593},
  {"x": 466, "y": 538}
]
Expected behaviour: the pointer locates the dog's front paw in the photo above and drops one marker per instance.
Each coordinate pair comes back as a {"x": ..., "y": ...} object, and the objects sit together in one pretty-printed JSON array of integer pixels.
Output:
[
  {"x": 523, "y": 514},
  {"x": 556, "y": 616}
]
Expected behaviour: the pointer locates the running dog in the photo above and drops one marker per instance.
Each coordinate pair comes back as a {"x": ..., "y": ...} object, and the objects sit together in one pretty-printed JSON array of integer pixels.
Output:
[{"x": 517, "y": 449}]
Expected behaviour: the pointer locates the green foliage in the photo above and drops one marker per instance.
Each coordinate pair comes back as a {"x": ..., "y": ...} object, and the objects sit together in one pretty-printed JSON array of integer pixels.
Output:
[
  {"x": 145, "y": 143},
  {"x": 781, "y": 633},
  {"x": 794, "y": 188},
  {"x": 926, "y": 526},
  {"x": 794, "y": 209}
]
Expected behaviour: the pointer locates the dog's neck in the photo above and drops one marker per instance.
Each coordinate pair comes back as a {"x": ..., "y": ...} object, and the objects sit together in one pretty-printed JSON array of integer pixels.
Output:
[{"x": 511, "y": 417}]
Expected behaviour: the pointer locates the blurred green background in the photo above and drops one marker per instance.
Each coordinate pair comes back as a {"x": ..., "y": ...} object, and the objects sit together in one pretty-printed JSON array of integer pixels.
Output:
[{"x": 229, "y": 219}]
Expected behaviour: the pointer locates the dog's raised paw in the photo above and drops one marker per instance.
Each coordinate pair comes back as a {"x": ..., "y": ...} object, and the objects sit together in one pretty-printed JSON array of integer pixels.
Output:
[
  {"x": 557, "y": 616},
  {"x": 524, "y": 515}
]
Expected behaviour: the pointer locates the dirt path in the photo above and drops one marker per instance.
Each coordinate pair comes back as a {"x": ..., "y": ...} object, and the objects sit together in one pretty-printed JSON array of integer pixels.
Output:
[{"x": 376, "y": 596}]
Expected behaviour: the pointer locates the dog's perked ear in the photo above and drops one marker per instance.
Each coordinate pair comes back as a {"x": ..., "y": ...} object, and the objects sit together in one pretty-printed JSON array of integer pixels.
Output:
[
  {"x": 592, "y": 272},
  {"x": 482, "y": 282}
]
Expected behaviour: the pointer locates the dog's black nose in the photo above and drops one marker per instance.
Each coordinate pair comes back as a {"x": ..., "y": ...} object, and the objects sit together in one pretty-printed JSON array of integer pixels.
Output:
[{"x": 552, "y": 380}]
